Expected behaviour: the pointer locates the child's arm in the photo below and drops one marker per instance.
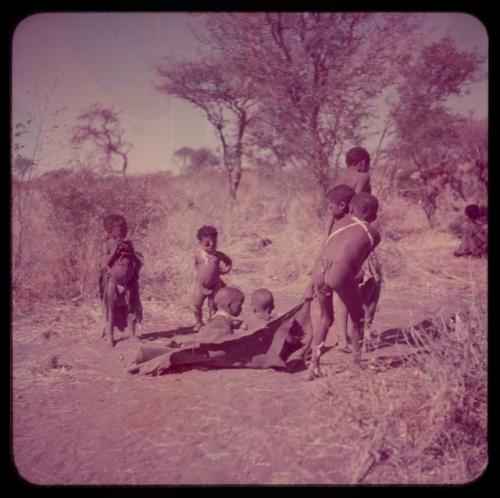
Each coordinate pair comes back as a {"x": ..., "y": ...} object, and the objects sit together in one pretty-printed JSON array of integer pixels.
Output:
[
  {"x": 114, "y": 253},
  {"x": 375, "y": 267},
  {"x": 109, "y": 250},
  {"x": 328, "y": 227},
  {"x": 368, "y": 186},
  {"x": 104, "y": 256},
  {"x": 226, "y": 260}
]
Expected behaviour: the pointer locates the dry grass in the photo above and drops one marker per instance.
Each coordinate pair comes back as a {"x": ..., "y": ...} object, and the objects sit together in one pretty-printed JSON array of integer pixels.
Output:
[{"x": 422, "y": 421}]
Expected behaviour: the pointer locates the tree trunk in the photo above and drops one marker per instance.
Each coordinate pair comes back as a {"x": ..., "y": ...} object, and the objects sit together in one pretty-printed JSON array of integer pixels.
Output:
[
  {"x": 234, "y": 177},
  {"x": 232, "y": 162}
]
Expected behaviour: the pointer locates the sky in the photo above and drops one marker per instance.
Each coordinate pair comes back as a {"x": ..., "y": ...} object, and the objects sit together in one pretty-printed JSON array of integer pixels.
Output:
[{"x": 104, "y": 57}]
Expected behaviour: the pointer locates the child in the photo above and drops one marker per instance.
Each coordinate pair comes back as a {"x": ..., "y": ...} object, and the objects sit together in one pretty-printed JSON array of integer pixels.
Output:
[
  {"x": 338, "y": 199},
  {"x": 262, "y": 302},
  {"x": 474, "y": 233},
  {"x": 345, "y": 251},
  {"x": 356, "y": 175},
  {"x": 119, "y": 278},
  {"x": 229, "y": 302},
  {"x": 369, "y": 281},
  {"x": 209, "y": 264}
]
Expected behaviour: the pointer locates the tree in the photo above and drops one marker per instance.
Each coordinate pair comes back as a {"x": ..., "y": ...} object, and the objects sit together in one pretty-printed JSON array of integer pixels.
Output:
[
  {"x": 195, "y": 160},
  {"x": 100, "y": 127},
  {"x": 426, "y": 132},
  {"x": 315, "y": 77},
  {"x": 224, "y": 96},
  {"x": 474, "y": 152}
]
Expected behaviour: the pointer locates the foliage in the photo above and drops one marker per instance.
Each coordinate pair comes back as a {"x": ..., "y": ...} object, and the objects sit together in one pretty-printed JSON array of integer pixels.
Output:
[
  {"x": 306, "y": 81},
  {"x": 223, "y": 95},
  {"x": 100, "y": 127},
  {"x": 195, "y": 160},
  {"x": 427, "y": 133}
]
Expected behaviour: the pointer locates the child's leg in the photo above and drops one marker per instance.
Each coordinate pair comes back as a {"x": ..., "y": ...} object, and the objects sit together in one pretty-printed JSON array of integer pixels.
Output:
[
  {"x": 110, "y": 303},
  {"x": 342, "y": 317},
  {"x": 212, "y": 308},
  {"x": 350, "y": 295},
  {"x": 198, "y": 308},
  {"x": 325, "y": 302}
]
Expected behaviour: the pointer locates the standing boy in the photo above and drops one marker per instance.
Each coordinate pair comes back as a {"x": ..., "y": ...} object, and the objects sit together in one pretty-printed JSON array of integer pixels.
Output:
[
  {"x": 210, "y": 264},
  {"x": 119, "y": 278},
  {"x": 343, "y": 255}
]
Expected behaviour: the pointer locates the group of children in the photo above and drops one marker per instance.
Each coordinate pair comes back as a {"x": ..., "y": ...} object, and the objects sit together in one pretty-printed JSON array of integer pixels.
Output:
[
  {"x": 119, "y": 286},
  {"x": 349, "y": 241}
]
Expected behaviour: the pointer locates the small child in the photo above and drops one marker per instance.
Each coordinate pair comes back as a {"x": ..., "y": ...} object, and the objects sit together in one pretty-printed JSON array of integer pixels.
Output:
[
  {"x": 343, "y": 255},
  {"x": 356, "y": 175},
  {"x": 119, "y": 277},
  {"x": 229, "y": 302},
  {"x": 210, "y": 264},
  {"x": 474, "y": 233},
  {"x": 262, "y": 302}
]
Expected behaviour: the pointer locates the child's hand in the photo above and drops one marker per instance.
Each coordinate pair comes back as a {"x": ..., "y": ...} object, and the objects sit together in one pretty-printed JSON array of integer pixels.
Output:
[
  {"x": 225, "y": 265},
  {"x": 309, "y": 293}
]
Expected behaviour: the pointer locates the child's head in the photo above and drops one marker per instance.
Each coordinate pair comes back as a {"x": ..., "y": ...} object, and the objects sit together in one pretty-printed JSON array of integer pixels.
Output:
[
  {"x": 358, "y": 158},
  {"x": 230, "y": 300},
  {"x": 207, "y": 237},
  {"x": 472, "y": 211},
  {"x": 364, "y": 206},
  {"x": 115, "y": 226},
  {"x": 338, "y": 199},
  {"x": 262, "y": 300}
]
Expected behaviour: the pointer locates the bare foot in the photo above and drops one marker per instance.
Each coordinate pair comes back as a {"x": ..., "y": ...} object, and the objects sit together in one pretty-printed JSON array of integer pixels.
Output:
[
  {"x": 345, "y": 349},
  {"x": 313, "y": 373}
]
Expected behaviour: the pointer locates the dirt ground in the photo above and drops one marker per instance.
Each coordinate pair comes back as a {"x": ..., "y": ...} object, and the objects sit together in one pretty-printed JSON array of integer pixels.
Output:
[{"x": 79, "y": 418}]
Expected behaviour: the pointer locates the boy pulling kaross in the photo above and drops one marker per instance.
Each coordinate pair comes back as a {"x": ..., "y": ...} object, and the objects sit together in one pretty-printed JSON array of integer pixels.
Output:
[{"x": 345, "y": 251}]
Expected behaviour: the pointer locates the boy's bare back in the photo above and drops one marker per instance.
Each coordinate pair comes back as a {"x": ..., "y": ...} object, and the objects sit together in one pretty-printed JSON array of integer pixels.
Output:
[{"x": 357, "y": 180}]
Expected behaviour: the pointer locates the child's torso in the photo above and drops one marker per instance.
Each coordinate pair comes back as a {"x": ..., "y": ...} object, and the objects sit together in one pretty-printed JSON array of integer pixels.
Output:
[
  {"x": 123, "y": 267},
  {"x": 208, "y": 268},
  {"x": 220, "y": 326}
]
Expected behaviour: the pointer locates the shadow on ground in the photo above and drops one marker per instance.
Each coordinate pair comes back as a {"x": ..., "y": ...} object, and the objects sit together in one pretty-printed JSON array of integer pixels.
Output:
[{"x": 164, "y": 334}]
